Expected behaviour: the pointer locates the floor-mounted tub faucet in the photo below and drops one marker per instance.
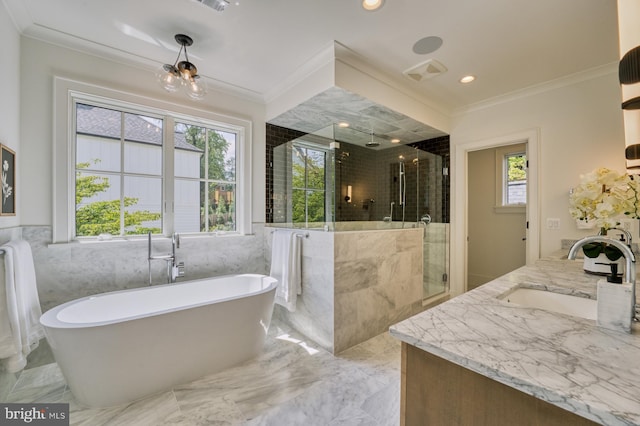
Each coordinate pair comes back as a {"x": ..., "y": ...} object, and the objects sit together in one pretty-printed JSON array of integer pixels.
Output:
[{"x": 175, "y": 269}]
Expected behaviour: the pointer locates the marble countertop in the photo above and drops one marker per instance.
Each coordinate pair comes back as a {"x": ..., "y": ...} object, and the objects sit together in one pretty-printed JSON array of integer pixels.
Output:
[{"x": 564, "y": 360}]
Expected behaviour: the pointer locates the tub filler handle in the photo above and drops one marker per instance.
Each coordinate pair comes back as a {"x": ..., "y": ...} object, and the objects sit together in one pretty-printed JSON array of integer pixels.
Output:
[{"x": 174, "y": 269}]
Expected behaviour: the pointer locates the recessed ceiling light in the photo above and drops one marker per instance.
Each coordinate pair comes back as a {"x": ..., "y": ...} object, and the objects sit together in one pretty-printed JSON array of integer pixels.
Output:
[
  {"x": 372, "y": 5},
  {"x": 343, "y": 124},
  {"x": 395, "y": 140},
  {"x": 467, "y": 79}
]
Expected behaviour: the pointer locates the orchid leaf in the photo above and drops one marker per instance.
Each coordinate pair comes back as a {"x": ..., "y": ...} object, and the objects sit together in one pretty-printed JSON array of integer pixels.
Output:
[{"x": 592, "y": 250}]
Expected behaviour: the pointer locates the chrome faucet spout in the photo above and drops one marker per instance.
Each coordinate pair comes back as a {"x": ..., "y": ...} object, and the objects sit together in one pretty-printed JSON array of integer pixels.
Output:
[{"x": 175, "y": 243}]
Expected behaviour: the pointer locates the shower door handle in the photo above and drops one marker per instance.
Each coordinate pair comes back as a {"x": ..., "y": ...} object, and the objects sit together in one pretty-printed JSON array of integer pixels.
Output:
[{"x": 401, "y": 173}]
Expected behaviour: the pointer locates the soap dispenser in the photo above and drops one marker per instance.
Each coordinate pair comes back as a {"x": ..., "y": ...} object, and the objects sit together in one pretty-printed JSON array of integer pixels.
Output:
[
  {"x": 614, "y": 277},
  {"x": 615, "y": 302}
]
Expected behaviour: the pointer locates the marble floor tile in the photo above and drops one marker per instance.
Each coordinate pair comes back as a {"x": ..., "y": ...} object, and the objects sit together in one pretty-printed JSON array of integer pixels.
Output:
[
  {"x": 150, "y": 411},
  {"x": 293, "y": 382},
  {"x": 39, "y": 384}
]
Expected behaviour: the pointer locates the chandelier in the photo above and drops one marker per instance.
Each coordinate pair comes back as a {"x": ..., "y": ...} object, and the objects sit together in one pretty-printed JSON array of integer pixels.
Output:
[{"x": 182, "y": 74}]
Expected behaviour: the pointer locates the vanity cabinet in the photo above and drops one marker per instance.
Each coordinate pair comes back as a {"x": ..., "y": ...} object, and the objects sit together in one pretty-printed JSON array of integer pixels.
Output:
[{"x": 435, "y": 391}]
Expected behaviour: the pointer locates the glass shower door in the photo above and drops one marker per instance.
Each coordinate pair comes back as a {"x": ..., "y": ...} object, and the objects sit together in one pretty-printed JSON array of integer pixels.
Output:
[{"x": 431, "y": 174}]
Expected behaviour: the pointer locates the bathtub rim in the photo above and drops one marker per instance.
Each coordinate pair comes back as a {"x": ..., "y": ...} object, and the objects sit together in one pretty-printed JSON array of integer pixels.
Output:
[{"x": 50, "y": 318}]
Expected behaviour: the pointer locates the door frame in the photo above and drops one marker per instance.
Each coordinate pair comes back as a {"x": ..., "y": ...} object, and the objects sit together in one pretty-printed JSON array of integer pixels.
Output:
[{"x": 459, "y": 184}]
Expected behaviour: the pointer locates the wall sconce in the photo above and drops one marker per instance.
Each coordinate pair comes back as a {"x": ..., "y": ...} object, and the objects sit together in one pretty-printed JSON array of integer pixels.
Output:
[
  {"x": 182, "y": 74},
  {"x": 347, "y": 198}
]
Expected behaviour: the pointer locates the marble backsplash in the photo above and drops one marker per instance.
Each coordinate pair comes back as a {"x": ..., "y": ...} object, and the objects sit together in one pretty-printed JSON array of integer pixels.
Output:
[{"x": 68, "y": 271}]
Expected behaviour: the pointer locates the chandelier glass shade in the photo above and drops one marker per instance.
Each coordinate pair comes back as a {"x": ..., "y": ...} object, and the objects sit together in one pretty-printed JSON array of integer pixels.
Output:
[{"x": 182, "y": 74}]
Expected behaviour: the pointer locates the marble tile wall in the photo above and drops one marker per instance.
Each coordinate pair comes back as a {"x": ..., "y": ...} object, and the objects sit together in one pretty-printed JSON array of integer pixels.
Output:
[
  {"x": 355, "y": 284},
  {"x": 314, "y": 315},
  {"x": 68, "y": 271},
  {"x": 377, "y": 282}
]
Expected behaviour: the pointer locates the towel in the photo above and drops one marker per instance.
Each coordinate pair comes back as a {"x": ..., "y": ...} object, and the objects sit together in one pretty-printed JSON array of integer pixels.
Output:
[
  {"x": 285, "y": 267},
  {"x": 20, "y": 329}
]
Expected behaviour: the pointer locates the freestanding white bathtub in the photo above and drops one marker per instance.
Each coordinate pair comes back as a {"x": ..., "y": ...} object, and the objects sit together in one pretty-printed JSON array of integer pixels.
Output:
[{"x": 117, "y": 347}]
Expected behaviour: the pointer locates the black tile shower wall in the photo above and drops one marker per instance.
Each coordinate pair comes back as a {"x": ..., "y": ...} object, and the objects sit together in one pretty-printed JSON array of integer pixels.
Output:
[
  {"x": 373, "y": 177},
  {"x": 275, "y": 136},
  {"x": 354, "y": 168},
  {"x": 440, "y": 146}
]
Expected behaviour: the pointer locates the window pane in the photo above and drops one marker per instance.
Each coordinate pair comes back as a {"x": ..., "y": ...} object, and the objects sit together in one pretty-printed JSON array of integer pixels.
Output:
[
  {"x": 189, "y": 150},
  {"x": 222, "y": 207},
  {"x": 299, "y": 212},
  {"x": 98, "y": 138},
  {"x": 93, "y": 120},
  {"x": 221, "y": 156},
  {"x": 187, "y": 205},
  {"x": 516, "y": 191},
  {"x": 315, "y": 206},
  {"x": 298, "y": 169},
  {"x": 143, "y": 205},
  {"x": 230, "y": 155},
  {"x": 143, "y": 158},
  {"x": 97, "y": 204},
  {"x": 140, "y": 128},
  {"x": 315, "y": 169}
]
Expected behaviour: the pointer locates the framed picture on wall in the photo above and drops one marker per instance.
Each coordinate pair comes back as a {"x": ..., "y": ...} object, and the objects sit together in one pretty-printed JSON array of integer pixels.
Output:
[{"x": 8, "y": 180}]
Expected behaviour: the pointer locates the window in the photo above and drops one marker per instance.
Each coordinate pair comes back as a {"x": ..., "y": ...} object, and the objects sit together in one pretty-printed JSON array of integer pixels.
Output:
[
  {"x": 118, "y": 172},
  {"x": 511, "y": 179},
  {"x": 515, "y": 177},
  {"x": 308, "y": 184},
  {"x": 205, "y": 170},
  {"x": 140, "y": 167}
]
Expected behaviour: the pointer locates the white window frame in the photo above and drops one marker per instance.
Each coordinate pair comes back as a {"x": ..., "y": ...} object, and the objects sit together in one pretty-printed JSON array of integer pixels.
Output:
[
  {"x": 502, "y": 179},
  {"x": 67, "y": 92}
]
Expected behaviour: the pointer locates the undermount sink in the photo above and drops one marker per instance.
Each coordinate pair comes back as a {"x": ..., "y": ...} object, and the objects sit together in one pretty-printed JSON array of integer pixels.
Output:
[{"x": 554, "y": 302}]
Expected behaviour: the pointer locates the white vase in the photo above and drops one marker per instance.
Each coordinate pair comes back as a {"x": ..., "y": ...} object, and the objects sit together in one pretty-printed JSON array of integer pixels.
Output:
[
  {"x": 601, "y": 265},
  {"x": 583, "y": 224}
]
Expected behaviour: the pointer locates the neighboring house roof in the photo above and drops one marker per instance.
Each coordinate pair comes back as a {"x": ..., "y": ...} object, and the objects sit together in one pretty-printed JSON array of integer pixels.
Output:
[{"x": 106, "y": 123}]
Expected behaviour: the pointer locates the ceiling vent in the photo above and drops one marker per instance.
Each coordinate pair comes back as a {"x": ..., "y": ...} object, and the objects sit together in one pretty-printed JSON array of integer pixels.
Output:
[{"x": 425, "y": 70}]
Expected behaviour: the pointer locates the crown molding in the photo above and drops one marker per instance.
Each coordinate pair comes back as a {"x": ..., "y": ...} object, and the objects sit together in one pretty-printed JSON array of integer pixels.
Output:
[
  {"x": 568, "y": 80},
  {"x": 402, "y": 85},
  {"x": 323, "y": 57},
  {"x": 19, "y": 14}
]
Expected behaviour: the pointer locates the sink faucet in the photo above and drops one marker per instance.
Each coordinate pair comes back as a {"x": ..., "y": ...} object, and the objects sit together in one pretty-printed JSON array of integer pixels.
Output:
[
  {"x": 630, "y": 260},
  {"x": 175, "y": 269}
]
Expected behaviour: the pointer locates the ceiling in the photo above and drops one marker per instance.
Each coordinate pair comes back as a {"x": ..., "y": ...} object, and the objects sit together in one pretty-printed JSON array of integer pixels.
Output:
[{"x": 256, "y": 45}]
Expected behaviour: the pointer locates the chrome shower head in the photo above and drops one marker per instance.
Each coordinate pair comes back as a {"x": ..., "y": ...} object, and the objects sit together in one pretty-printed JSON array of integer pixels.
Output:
[{"x": 372, "y": 143}]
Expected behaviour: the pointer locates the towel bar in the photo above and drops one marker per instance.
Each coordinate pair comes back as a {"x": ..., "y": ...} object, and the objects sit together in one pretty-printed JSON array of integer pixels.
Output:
[{"x": 298, "y": 234}]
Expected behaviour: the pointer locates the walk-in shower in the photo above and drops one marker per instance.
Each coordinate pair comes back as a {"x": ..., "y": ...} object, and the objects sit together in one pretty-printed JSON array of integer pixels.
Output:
[{"x": 338, "y": 185}]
